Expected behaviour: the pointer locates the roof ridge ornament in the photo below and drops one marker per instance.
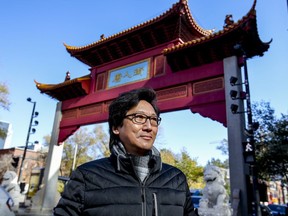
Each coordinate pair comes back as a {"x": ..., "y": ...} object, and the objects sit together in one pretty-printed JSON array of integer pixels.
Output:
[
  {"x": 228, "y": 20},
  {"x": 67, "y": 77}
]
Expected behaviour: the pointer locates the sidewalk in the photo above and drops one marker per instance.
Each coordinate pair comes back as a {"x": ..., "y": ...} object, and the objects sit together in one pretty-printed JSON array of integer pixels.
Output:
[
  {"x": 25, "y": 209},
  {"x": 28, "y": 212}
]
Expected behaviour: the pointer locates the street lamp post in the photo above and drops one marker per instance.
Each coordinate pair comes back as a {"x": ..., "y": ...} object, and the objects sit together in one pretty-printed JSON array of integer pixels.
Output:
[{"x": 30, "y": 131}]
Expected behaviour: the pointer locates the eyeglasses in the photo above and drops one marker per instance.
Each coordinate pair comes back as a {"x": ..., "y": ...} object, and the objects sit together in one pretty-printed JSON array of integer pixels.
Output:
[{"x": 138, "y": 118}]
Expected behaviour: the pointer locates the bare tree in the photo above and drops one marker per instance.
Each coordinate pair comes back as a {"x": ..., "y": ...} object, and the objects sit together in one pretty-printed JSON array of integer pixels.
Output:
[
  {"x": 6, "y": 162},
  {"x": 4, "y": 103},
  {"x": 85, "y": 145}
]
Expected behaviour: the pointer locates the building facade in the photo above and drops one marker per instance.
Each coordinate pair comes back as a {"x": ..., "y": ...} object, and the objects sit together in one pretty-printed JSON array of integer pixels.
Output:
[{"x": 34, "y": 161}]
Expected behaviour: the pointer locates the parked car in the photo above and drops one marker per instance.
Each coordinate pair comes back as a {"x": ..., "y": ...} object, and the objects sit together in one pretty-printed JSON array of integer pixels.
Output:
[
  {"x": 278, "y": 209},
  {"x": 6, "y": 203},
  {"x": 265, "y": 210},
  {"x": 196, "y": 200},
  {"x": 196, "y": 195}
]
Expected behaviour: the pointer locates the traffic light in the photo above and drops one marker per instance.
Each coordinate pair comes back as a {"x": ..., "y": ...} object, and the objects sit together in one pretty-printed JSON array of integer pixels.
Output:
[
  {"x": 236, "y": 94},
  {"x": 249, "y": 152}
]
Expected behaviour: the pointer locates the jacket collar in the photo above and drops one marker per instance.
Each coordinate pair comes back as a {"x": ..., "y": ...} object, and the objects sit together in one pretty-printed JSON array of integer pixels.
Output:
[{"x": 123, "y": 161}]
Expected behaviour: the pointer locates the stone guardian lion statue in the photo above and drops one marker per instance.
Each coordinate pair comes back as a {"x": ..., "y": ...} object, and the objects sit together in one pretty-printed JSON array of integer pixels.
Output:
[{"x": 215, "y": 200}]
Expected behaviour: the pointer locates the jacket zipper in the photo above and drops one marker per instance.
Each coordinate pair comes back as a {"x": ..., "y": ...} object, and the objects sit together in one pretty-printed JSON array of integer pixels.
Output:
[
  {"x": 143, "y": 192},
  {"x": 143, "y": 200},
  {"x": 155, "y": 204}
]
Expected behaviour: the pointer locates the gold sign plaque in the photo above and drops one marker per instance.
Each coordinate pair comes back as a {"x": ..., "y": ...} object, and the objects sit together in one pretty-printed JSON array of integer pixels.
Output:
[{"x": 128, "y": 74}]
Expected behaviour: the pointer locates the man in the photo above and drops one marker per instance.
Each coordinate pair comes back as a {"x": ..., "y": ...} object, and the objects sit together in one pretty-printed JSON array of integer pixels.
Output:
[{"x": 133, "y": 180}]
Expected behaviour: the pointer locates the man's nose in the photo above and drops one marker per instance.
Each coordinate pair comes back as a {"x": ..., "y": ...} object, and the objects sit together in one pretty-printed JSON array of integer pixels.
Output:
[{"x": 147, "y": 124}]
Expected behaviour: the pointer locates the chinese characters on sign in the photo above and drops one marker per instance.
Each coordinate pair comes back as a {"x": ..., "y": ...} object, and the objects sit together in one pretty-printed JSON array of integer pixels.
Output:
[{"x": 129, "y": 74}]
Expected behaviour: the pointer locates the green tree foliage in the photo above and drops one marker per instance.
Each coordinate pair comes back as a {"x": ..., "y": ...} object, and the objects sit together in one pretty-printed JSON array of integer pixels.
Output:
[
  {"x": 271, "y": 142},
  {"x": 89, "y": 145},
  {"x": 4, "y": 93},
  {"x": 217, "y": 162},
  {"x": 223, "y": 147},
  {"x": 188, "y": 166},
  {"x": 4, "y": 103},
  {"x": 168, "y": 157},
  {"x": 101, "y": 147},
  {"x": 191, "y": 169},
  {"x": 46, "y": 140}
]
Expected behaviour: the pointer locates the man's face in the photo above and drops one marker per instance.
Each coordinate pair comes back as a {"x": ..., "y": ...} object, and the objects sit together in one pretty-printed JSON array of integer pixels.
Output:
[{"x": 138, "y": 138}]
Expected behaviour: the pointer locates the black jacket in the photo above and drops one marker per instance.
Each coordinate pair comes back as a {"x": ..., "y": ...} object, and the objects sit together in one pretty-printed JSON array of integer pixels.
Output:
[{"x": 110, "y": 187}]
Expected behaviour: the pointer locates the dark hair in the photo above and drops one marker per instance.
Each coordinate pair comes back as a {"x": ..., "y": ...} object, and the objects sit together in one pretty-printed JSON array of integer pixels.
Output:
[{"x": 123, "y": 103}]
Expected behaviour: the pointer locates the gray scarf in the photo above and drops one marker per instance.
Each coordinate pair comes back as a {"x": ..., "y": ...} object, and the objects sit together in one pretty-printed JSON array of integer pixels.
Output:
[{"x": 140, "y": 163}]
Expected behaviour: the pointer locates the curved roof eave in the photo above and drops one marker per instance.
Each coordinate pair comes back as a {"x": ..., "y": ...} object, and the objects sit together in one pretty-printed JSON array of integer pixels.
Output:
[
  {"x": 67, "y": 89},
  {"x": 181, "y": 7},
  {"x": 47, "y": 87},
  {"x": 224, "y": 31}
]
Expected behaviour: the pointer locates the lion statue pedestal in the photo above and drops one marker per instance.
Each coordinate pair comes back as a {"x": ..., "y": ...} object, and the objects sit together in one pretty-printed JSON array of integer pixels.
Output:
[{"x": 215, "y": 200}]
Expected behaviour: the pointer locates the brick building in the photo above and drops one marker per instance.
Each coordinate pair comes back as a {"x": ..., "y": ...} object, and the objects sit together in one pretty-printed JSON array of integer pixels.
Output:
[{"x": 34, "y": 160}]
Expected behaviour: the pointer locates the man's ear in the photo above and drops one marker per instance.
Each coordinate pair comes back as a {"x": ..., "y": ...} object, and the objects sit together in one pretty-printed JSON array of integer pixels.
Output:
[{"x": 115, "y": 130}]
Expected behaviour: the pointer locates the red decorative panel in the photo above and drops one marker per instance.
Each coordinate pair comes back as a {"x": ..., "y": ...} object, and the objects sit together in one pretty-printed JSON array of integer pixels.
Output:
[
  {"x": 91, "y": 109},
  {"x": 100, "y": 82},
  {"x": 159, "y": 65},
  {"x": 106, "y": 106},
  {"x": 208, "y": 85},
  {"x": 172, "y": 93},
  {"x": 69, "y": 113}
]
